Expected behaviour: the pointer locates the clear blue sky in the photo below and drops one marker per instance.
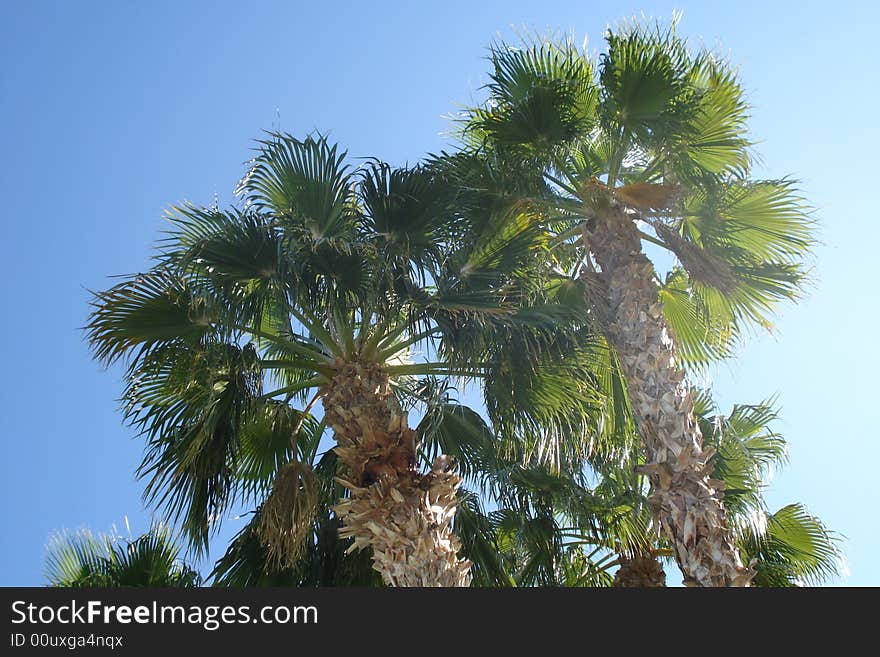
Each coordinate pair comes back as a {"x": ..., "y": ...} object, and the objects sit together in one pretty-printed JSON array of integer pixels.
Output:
[{"x": 112, "y": 111}]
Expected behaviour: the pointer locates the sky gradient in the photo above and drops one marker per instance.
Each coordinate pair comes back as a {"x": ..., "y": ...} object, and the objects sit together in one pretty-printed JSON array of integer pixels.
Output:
[{"x": 113, "y": 111}]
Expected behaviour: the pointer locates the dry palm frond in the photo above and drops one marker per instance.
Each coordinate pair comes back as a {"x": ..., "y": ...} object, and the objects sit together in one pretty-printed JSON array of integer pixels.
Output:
[
  {"x": 701, "y": 264},
  {"x": 640, "y": 571},
  {"x": 648, "y": 196},
  {"x": 287, "y": 514}
]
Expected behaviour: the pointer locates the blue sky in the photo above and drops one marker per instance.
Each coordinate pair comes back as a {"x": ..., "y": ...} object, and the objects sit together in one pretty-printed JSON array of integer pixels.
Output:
[{"x": 113, "y": 111}]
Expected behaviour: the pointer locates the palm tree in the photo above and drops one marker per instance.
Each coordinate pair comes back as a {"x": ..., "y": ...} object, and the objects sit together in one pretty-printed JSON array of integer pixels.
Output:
[
  {"x": 153, "y": 559},
  {"x": 654, "y": 142},
  {"x": 555, "y": 529},
  {"x": 321, "y": 282}
]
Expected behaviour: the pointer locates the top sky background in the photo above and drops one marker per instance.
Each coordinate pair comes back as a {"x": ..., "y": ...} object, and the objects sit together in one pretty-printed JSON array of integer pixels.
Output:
[{"x": 110, "y": 112}]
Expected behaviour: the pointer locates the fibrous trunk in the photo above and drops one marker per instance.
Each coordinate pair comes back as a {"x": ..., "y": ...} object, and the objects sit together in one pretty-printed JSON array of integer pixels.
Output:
[
  {"x": 686, "y": 501},
  {"x": 403, "y": 515}
]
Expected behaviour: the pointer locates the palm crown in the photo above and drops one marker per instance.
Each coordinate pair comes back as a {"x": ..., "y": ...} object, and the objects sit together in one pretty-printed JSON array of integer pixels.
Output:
[
  {"x": 649, "y": 146},
  {"x": 321, "y": 273},
  {"x": 662, "y": 132}
]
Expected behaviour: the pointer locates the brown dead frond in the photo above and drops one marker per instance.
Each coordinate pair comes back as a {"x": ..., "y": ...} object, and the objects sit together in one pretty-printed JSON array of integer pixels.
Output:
[{"x": 648, "y": 196}]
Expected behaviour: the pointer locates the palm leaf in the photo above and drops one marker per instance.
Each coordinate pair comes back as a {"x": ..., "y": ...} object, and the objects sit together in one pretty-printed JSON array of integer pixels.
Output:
[
  {"x": 152, "y": 559},
  {"x": 645, "y": 87},
  {"x": 540, "y": 97},
  {"x": 794, "y": 549},
  {"x": 143, "y": 312},
  {"x": 700, "y": 335},
  {"x": 191, "y": 405},
  {"x": 304, "y": 182}
]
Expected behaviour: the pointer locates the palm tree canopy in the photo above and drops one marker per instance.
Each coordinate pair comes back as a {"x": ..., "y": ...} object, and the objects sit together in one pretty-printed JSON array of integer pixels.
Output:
[
  {"x": 319, "y": 264},
  {"x": 662, "y": 130}
]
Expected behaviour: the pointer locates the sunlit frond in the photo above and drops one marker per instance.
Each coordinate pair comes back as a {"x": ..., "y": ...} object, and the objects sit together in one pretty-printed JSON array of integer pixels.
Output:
[
  {"x": 540, "y": 97},
  {"x": 304, "y": 183},
  {"x": 82, "y": 559},
  {"x": 795, "y": 549}
]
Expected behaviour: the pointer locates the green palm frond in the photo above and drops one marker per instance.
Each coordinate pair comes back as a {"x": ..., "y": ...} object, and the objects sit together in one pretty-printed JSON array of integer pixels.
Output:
[
  {"x": 577, "y": 568},
  {"x": 540, "y": 404},
  {"x": 191, "y": 404},
  {"x": 540, "y": 97},
  {"x": 742, "y": 246},
  {"x": 543, "y": 394},
  {"x": 83, "y": 559},
  {"x": 747, "y": 449},
  {"x": 143, "y": 312},
  {"x": 767, "y": 219},
  {"x": 233, "y": 256},
  {"x": 304, "y": 183},
  {"x": 646, "y": 95},
  {"x": 504, "y": 252},
  {"x": 478, "y": 534},
  {"x": 759, "y": 288},
  {"x": 715, "y": 142},
  {"x": 589, "y": 157},
  {"x": 236, "y": 246},
  {"x": 461, "y": 433},
  {"x": 531, "y": 541},
  {"x": 700, "y": 335},
  {"x": 403, "y": 211},
  {"x": 794, "y": 549},
  {"x": 76, "y": 560},
  {"x": 268, "y": 442}
]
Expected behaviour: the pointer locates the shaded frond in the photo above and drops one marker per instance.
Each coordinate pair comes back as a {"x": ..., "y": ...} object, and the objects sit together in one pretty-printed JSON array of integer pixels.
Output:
[
  {"x": 145, "y": 311},
  {"x": 190, "y": 404}
]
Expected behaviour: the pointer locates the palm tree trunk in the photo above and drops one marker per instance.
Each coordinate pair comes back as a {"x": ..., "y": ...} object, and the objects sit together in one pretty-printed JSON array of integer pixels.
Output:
[
  {"x": 403, "y": 515},
  {"x": 687, "y": 502}
]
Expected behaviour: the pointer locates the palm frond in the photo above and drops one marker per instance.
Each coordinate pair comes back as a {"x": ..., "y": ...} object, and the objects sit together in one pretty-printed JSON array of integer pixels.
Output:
[
  {"x": 459, "y": 432},
  {"x": 715, "y": 142},
  {"x": 403, "y": 210},
  {"x": 268, "y": 443},
  {"x": 540, "y": 97},
  {"x": 152, "y": 559},
  {"x": 766, "y": 219},
  {"x": 747, "y": 449},
  {"x": 305, "y": 183},
  {"x": 143, "y": 312},
  {"x": 191, "y": 404},
  {"x": 700, "y": 335},
  {"x": 795, "y": 549},
  {"x": 645, "y": 92},
  {"x": 477, "y": 532}
]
